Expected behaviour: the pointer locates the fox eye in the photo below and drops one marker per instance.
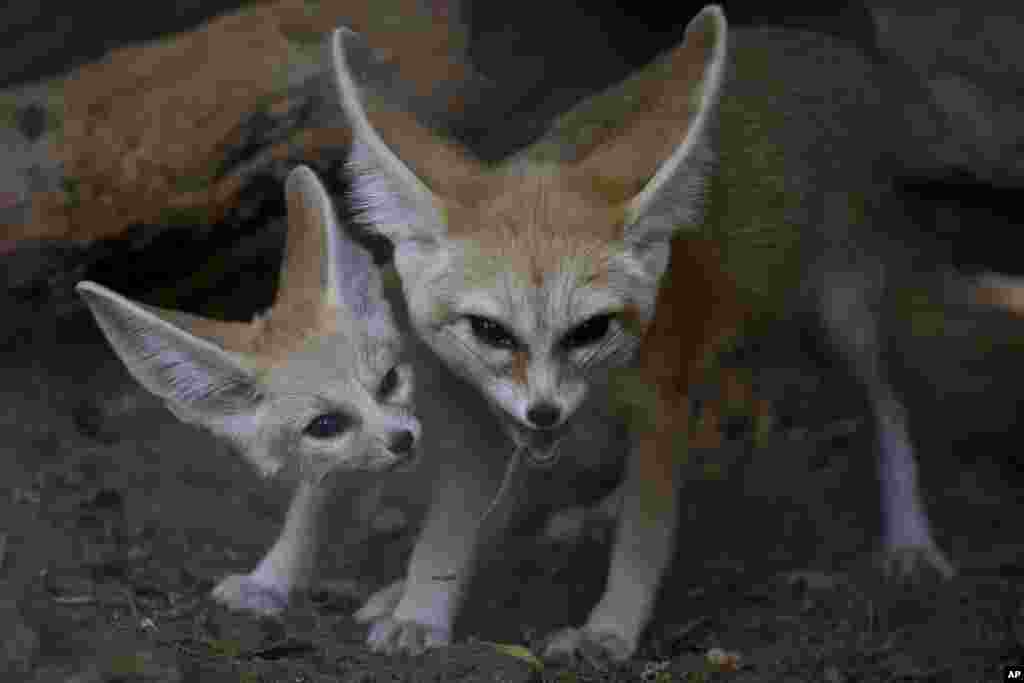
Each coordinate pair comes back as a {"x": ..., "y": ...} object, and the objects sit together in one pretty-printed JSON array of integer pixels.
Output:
[
  {"x": 587, "y": 332},
  {"x": 328, "y": 425},
  {"x": 492, "y": 333},
  {"x": 388, "y": 383}
]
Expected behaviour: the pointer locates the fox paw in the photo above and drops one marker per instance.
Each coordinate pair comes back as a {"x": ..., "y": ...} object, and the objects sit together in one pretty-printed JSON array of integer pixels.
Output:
[
  {"x": 914, "y": 562},
  {"x": 598, "y": 647},
  {"x": 240, "y": 592},
  {"x": 391, "y": 636},
  {"x": 381, "y": 604}
]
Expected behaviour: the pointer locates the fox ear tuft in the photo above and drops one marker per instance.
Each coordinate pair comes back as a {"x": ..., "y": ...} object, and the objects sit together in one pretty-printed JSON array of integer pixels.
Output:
[
  {"x": 399, "y": 186},
  {"x": 698, "y": 66},
  {"x": 673, "y": 197},
  {"x": 201, "y": 382},
  {"x": 347, "y": 273},
  {"x": 392, "y": 198},
  {"x": 645, "y": 144}
]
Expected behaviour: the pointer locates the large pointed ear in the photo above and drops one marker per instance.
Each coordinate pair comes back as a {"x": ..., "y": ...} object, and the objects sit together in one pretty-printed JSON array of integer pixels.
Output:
[
  {"x": 399, "y": 186},
  {"x": 345, "y": 272},
  {"x": 645, "y": 144},
  {"x": 199, "y": 380}
]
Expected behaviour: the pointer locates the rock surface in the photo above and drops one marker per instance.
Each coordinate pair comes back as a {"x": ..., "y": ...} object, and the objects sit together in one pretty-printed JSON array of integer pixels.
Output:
[{"x": 169, "y": 131}]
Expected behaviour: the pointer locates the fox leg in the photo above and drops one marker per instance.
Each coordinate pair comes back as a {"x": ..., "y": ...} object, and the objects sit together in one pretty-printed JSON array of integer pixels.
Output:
[
  {"x": 417, "y": 613},
  {"x": 907, "y": 534},
  {"x": 643, "y": 548},
  {"x": 908, "y": 543},
  {"x": 672, "y": 356},
  {"x": 289, "y": 564}
]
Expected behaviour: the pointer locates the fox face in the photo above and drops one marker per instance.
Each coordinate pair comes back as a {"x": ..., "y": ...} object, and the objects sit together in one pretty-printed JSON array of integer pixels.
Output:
[
  {"x": 533, "y": 328},
  {"x": 317, "y": 383},
  {"x": 534, "y": 277}
]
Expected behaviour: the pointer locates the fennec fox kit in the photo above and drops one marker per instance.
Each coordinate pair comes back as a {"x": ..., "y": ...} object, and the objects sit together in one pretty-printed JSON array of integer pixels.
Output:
[
  {"x": 651, "y": 225},
  {"x": 314, "y": 385}
]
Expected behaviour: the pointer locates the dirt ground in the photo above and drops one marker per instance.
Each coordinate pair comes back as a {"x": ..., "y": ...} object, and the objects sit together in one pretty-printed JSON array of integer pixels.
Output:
[{"x": 115, "y": 522}]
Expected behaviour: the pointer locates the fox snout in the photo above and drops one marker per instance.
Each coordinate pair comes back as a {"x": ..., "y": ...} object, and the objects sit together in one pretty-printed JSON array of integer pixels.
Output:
[
  {"x": 402, "y": 451},
  {"x": 398, "y": 446},
  {"x": 402, "y": 443},
  {"x": 541, "y": 409},
  {"x": 544, "y": 415},
  {"x": 541, "y": 432}
]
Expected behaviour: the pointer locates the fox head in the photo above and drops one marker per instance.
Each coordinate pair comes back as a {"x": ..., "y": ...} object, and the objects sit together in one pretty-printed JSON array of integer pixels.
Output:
[
  {"x": 315, "y": 382},
  {"x": 533, "y": 277}
]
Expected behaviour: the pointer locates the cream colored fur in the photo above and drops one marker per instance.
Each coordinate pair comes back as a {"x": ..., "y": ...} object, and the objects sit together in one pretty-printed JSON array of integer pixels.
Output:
[{"x": 314, "y": 386}]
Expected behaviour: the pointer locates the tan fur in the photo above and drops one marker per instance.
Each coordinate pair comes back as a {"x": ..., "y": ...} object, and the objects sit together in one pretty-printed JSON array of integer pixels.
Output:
[
  {"x": 238, "y": 337},
  {"x": 697, "y": 312},
  {"x": 536, "y": 225},
  {"x": 446, "y": 169},
  {"x": 677, "y": 346},
  {"x": 520, "y": 364},
  {"x": 1002, "y": 292},
  {"x": 299, "y": 312},
  {"x": 284, "y": 330},
  {"x": 270, "y": 338},
  {"x": 618, "y": 160}
]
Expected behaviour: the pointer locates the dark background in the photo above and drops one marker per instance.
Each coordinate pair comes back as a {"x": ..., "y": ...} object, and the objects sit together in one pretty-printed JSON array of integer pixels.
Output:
[{"x": 45, "y": 38}]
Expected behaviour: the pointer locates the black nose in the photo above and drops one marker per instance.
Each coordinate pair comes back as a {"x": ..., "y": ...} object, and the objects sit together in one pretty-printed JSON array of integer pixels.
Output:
[
  {"x": 543, "y": 415},
  {"x": 402, "y": 443}
]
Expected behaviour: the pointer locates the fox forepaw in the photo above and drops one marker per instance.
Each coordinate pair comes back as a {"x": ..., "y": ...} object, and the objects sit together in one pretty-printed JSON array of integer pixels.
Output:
[
  {"x": 240, "y": 592},
  {"x": 382, "y": 603},
  {"x": 598, "y": 647},
  {"x": 914, "y": 562},
  {"x": 391, "y": 636}
]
